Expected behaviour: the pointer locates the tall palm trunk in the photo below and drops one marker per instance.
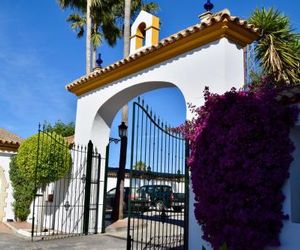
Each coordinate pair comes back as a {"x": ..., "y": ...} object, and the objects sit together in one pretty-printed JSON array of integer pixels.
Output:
[
  {"x": 121, "y": 172},
  {"x": 127, "y": 27},
  {"x": 88, "y": 36},
  {"x": 127, "y": 11},
  {"x": 126, "y": 48}
]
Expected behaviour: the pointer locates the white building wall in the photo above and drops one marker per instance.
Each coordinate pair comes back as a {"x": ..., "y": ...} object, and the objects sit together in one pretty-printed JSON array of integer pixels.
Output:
[
  {"x": 218, "y": 65},
  {"x": 209, "y": 65},
  {"x": 112, "y": 183},
  {"x": 4, "y": 163},
  {"x": 289, "y": 237},
  {"x": 143, "y": 17}
]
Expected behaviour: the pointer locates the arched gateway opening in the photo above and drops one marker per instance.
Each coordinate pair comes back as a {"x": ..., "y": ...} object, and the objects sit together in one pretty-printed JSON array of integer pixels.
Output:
[
  {"x": 107, "y": 111},
  {"x": 152, "y": 163},
  {"x": 209, "y": 53},
  {"x": 154, "y": 177}
]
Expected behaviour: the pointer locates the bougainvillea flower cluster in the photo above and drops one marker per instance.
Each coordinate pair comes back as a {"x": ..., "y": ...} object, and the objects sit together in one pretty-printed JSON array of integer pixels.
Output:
[{"x": 240, "y": 158}]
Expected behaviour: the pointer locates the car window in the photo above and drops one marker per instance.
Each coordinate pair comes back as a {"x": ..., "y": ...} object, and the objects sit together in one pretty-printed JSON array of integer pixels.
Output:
[
  {"x": 150, "y": 190},
  {"x": 112, "y": 192}
]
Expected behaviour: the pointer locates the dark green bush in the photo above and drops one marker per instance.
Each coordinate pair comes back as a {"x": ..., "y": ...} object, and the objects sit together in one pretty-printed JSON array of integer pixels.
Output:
[{"x": 23, "y": 191}]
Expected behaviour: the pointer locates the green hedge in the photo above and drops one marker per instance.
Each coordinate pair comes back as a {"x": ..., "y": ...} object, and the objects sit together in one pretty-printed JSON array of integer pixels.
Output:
[{"x": 54, "y": 162}]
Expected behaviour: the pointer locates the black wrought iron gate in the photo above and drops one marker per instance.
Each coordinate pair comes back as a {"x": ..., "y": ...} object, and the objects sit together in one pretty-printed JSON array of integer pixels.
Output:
[
  {"x": 158, "y": 204},
  {"x": 70, "y": 205}
]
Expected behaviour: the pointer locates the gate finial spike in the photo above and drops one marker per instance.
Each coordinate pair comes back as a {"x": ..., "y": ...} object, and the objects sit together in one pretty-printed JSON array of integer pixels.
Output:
[
  {"x": 151, "y": 112},
  {"x": 147, "y": 107},
  {"x": 139, "y": 99},
  {"x": 143, "y": 102},
  {"x": 154, "y": 117}
]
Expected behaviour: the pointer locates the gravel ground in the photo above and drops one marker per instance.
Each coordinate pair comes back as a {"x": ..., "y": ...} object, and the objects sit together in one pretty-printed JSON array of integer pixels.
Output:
[{"x": 9, "y": 240}]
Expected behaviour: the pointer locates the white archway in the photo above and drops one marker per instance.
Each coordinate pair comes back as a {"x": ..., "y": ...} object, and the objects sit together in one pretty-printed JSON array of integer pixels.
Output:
[
  {"x": 209, "y": 53},
  {"x": 107, "y": 111}
]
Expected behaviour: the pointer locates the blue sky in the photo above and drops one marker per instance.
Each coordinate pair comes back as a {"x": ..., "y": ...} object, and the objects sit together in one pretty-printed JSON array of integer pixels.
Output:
[{"x": 39, "y": 55}]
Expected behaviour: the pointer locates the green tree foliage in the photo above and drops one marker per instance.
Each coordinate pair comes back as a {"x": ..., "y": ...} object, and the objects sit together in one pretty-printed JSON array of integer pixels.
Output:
[
  {"x": 136, "y": 7},
  {"x": 107, "y": 18},
  {"x": 54, "y": 162},
  {"x": 141, "y": 166},
  {"x": 61, "y": 128},
  {"x": 278, "y": 48},
  {"x": 54, "y": 158}
]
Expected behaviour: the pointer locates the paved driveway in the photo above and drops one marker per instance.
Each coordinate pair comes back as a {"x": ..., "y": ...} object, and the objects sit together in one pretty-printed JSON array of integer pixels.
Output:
[{"x": 9, "y": 240}]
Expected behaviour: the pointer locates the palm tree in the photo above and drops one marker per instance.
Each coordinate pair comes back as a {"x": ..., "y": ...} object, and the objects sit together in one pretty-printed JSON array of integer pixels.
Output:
[
  {"x": 100, "y": 26},
  {"x": 106, "y": 21},
  {"x": 131, "y": 9},
  {"x": 121, "y": 175},
  {"x": 88, "y": 36},
  {"x": 127, "y": 27},
  {"x": 278, "y": 49}
]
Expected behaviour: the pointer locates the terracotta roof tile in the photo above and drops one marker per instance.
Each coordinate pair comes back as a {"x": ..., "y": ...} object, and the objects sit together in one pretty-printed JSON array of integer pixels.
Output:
[
  {"x": 215, "y": 18},
  {"x": 9, "y": 141},
  {"x": 7, "y": 136}
]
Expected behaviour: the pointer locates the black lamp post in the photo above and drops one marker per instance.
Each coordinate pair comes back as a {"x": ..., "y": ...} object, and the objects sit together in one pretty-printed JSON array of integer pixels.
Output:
[
  {"x": 117, "y": 212},
  {"x": 122, "y": 130}
]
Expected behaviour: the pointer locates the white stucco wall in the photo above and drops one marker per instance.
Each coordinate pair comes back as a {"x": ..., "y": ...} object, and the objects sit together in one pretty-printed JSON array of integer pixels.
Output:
[
  {"x": 4, "y": 163},
  {"x": 112, "y": 183},
  {"x": 289, "y": 237},
  {"x": 218, "y": 65},
  {"x": 143, "y": 17}
]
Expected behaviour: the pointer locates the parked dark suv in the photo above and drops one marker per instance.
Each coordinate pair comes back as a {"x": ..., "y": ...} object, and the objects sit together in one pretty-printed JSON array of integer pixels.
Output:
[
  {"x": 138, "y": 202},
  {"x": 162, "y": 196}
]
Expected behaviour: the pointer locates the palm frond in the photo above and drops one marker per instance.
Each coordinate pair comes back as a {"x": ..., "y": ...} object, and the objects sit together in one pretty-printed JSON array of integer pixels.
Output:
[
  {"x": 79, "y": 5},
  {"x": 96, "y": 39},
  {"x": 151, "y": 7},
  {"x": 276, "y": 46},
  {"x": 78, "y": 23},
  {"x": 107, "y": 17}
]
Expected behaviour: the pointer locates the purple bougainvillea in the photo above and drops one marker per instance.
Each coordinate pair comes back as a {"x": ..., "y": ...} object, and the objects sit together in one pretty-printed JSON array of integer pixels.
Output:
[{"x": 240, "y": 158}]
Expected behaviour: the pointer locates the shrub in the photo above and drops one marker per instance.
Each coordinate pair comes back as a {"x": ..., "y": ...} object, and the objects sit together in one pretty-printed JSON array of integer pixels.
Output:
[
  {"x": 54, "y": 159},
  {"x": 240, "y": 158},
  {"x": 23, "y": 191},
  {"x": 27, "y": 174}
]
